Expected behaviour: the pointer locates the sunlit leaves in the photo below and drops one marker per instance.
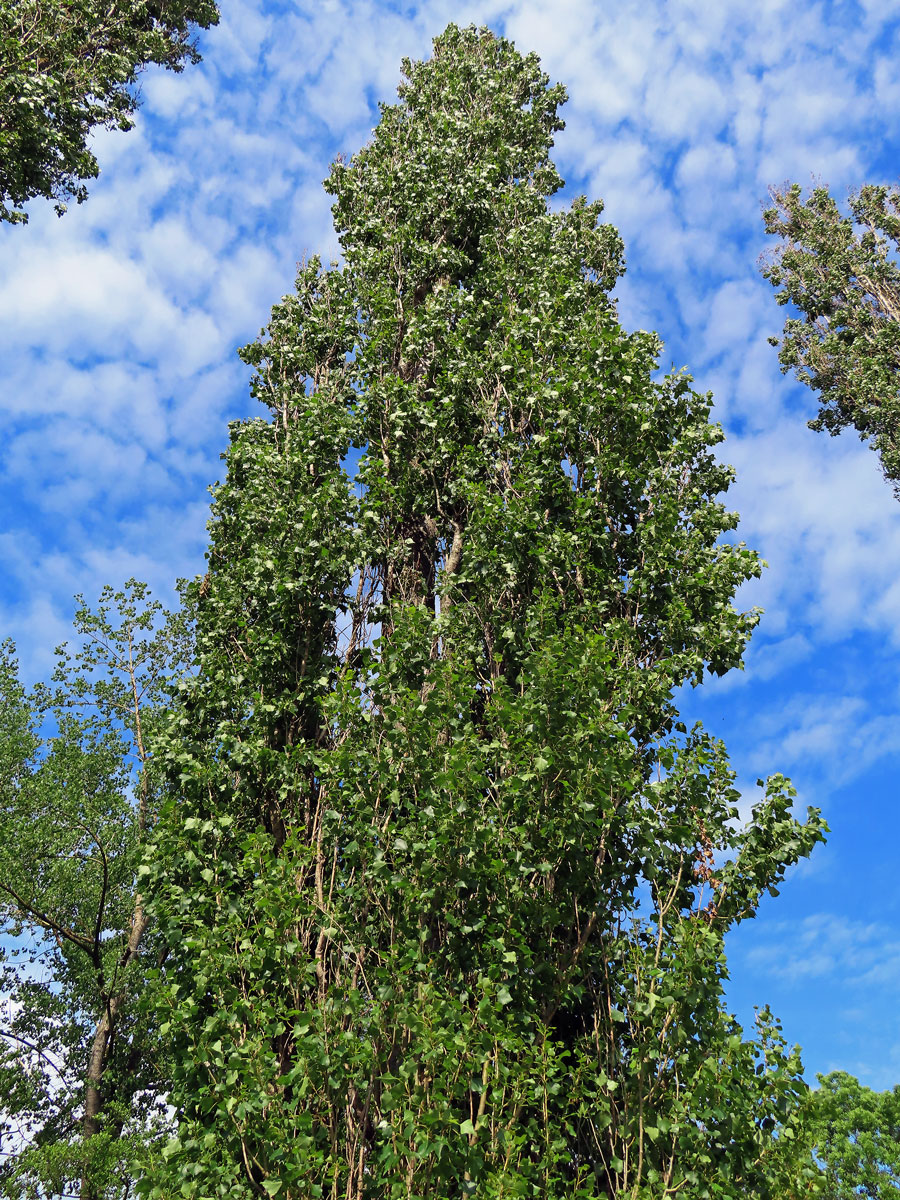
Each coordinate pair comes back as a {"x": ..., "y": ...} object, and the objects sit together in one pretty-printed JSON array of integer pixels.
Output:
[{"x": 856, "y": 1134}]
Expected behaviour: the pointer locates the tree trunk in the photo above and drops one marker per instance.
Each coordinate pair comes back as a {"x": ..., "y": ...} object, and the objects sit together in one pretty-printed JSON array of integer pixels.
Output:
[
  {"x": 93, "y": 1096},
  {"x": 93, "y": 1091}
]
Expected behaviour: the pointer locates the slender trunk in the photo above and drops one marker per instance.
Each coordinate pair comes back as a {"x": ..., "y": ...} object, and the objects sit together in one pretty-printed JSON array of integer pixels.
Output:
[
  {"x": 93, "y": 1095},
  {"x": 97, "y": 1060},
  {"x": 93, "y": 1099},
  {"x": 114, "y": 993}
]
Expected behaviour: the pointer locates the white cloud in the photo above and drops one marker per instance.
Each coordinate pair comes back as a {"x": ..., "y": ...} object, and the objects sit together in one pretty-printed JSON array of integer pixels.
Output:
[
  {"x": 765, "y": 660},
  {"x": 829, "y": 737},
  {"x": 686, "y": 105},
  {"x": 863, "y": 954}
]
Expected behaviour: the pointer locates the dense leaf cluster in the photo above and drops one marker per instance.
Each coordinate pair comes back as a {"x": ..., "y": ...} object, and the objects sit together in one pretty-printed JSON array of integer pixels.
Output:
[
  {"x": 68, "y": 67},
  {"x": 443, "y": 879},
  {"x": 856, "y": 1135},
  {"x": 841, "y": 272}
]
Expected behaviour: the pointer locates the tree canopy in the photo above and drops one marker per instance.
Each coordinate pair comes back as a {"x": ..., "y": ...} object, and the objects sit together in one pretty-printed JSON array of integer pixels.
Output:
[
  {"x": 443, "y": 878},
  {"x": 841, "y": 273},
  {"x": 68, "y": 67},
  {"x": 856, "y": 1134},
  {"x": 82, "y": 1069}
]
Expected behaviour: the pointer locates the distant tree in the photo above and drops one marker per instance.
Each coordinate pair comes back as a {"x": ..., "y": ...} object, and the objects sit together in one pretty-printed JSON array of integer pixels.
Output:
[
  {"x": 856, "y": 1134},
  {"x": 445, "y": 882},
  {"x": 68, "y": 67},
  {"x": 80, "y": 1063},
  {"x": 841, "y": 273}
]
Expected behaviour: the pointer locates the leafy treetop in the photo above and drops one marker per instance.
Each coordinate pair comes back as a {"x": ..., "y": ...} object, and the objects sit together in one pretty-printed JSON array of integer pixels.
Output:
[{"x": 856, "y": 1134}]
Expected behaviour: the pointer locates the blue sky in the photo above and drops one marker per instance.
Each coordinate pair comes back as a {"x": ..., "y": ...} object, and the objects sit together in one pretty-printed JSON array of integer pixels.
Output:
[{"x": 118, "y": 326}]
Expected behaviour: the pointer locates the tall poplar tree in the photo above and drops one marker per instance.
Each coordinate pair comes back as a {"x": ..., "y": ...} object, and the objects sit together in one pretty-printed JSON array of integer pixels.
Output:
[{"x": 444, "y": 880}]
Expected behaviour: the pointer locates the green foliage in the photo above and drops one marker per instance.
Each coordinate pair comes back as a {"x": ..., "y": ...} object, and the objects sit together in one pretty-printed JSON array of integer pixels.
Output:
[
  {"x": 68, "y": 67},
  {"x": 841, "y": 273},
  {"x": 444, "y": 880},
  {"x": 856, "y": 1133},
  {"x": 80, "y": 1062}
]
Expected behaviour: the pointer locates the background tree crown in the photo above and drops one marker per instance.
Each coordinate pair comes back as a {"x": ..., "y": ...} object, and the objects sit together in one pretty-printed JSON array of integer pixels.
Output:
[
  {"x": 842, "y": 273},
  {"x": 68, "y": 67}
]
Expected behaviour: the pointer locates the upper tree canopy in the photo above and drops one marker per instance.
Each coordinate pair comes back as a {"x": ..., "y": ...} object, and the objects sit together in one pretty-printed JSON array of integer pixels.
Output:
[
  {"x": 68, "y": 67},
  {"x": 443, "y": 880},
  {"x": 841, "y": 272}
]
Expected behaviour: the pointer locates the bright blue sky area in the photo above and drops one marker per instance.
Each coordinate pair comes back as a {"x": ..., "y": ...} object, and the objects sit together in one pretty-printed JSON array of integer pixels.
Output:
[{"x": 118, "y": 326}]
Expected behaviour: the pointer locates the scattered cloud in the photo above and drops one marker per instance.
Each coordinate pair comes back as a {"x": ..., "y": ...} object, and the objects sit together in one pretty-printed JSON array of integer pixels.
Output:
[{"x": 828, "y": 946}]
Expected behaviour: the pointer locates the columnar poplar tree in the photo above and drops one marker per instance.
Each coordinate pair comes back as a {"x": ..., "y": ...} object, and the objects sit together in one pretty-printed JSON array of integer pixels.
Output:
[{"x": 444, "y": 880}]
